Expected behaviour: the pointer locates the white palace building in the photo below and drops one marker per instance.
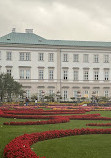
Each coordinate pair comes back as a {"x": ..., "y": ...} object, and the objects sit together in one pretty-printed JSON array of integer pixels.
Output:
[{"x": 56, "y": 66}]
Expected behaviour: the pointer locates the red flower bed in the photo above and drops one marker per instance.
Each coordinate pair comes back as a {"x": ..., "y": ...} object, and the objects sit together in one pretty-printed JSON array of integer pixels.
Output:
[
  {"x": 1, "y": 112},
  {"x": 37, "y": 112},
  {"x": 83, "y": 116},
  {"x": 98, "y": 124},
  {"x": 88, "y": 117},
  {"x": 53, "y": 119},
  {"x": 20, "y": 146},
  {"x": 75, "y": 117},
  {"x": 60, "y": 119}
]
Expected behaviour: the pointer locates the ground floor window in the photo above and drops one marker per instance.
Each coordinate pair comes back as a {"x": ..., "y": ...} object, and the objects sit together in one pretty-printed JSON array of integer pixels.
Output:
[
  {"x": 75, "y": 94},
  {"x": 86, "y": 94},
  {"x": 28, "y": 93},
  {"x": 106, "y": 93},
  {"x": 65, "y": 95}
]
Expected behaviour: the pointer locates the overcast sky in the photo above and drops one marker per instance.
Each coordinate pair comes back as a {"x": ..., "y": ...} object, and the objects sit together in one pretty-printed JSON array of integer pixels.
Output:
[{"x": 58, "y": 19}]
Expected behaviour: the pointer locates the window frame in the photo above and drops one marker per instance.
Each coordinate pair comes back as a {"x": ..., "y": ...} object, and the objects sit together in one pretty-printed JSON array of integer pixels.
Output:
[
  {"x": 96, "y": 75},
  {"x": 41, "y": 74},
  {"x": 9, "y": 71},
  {"x": 75, "y": 57},
  {"x": 25, "y": 73},
  {"x": 106, "y": 75},
  {"x": 75, "y": 93},
  {"x": 65, "y": 74},
  {"x": 106, "y": 94},
  {"x": 65, "y": 95},
  {"x": 86, "y": 93},
  {"x": 24, "y": 56},
  {"x": 86, "y": 75},
  {"x": 51, "y": 92},
  {"x": 51, "y": 74},
  {"x": 51, "y": 57},
  {"x": 65, "y": 57},
  {"x": 76, "y": 75},
  {"x": 85, "y": 58},
  {"x": 28, "y": 93},
  {"x": 9, "y": 56},
  {"x": 96, "y": 58},
  {"x": 106, "y": 58},
  {"x": 41, "y": 56}
]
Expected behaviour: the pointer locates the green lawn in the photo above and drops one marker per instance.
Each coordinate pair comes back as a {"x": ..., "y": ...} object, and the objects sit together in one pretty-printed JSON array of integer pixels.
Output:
[{"x": 84, "y": 146}]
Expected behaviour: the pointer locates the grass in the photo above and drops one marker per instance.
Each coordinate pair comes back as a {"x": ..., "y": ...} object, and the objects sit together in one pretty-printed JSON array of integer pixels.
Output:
[{"x": 84, "y": 146}]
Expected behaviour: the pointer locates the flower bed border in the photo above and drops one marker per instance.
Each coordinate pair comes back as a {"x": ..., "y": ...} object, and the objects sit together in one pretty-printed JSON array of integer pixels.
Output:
[
  {"x": 98, "y": 124},
  {"x": 55, "y": 120},
  {"x": 20, "y": 146}
]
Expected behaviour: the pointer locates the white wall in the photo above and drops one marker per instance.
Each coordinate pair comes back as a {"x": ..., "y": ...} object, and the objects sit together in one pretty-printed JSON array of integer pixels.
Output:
[{"x": 35, "y": 63}]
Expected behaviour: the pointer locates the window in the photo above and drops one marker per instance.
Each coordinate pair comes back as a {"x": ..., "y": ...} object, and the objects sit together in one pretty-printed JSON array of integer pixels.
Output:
[
  {"x": 65, "y": 57},
  {"x": 51, "y": 57},
  {"x": 75, "y": 75},
  {"x": 75, "y": 93},
  {"x": 41, "y": 74},
  {"x": 106, "y": 93},
  {"x": 21, "y": 74},
  {"x": 9, "y": 56},
  {"x": 25, "y": 73},
  {"x": 65, "y": 74},
  {"x": 21, "y": 56},
  {"x": 106, "y": 58},
  {"x": 96, "y": 75},
  {"x": 96, "y": 92},
  {"x": 96, "y": 58},
  {"x": 86, "y": 93},
  {"x": 106, "y": 75},
  {"x": 28, "y": 93},
  {"x": 51, "y": 74},
  {"x": 25, "y": 56},
  {"x": 65, "y": 95},
  {"x": 9, "y": 71},
  {"x": 86, "y": 75},
  {"x": 86, "y": 58},
  {"x": 21, "y": 97},
  {"x": 41, "y": 95},
  {"x": 41, "y": 56},
  {"x": 76, "y": 57},
  {"x": 51, "y": 92}
]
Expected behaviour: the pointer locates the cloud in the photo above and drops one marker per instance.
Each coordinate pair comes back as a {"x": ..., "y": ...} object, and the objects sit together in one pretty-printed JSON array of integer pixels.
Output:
[{"x": 60, "y": 19}]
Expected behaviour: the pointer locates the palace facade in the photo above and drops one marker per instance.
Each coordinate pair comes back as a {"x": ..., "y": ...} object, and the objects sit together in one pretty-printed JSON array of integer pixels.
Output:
[{"x": 57, "y": 66}]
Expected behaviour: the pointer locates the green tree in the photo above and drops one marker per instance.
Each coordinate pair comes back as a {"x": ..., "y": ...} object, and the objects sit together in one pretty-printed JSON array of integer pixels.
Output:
[{"x": 9, "y": 87}]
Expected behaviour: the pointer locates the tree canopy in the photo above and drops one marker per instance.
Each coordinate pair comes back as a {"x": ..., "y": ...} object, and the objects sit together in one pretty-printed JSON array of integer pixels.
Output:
[{"x": 9, "y": 87}]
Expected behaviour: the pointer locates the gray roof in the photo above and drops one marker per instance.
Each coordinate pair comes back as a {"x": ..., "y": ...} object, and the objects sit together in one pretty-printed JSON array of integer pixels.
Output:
[{"x": 31, "y": 38}]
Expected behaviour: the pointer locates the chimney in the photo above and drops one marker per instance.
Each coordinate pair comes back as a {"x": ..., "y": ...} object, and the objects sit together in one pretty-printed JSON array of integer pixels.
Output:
[
  {"x": 28, "y": 30},
  {"x": 14, "y": 29}
]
